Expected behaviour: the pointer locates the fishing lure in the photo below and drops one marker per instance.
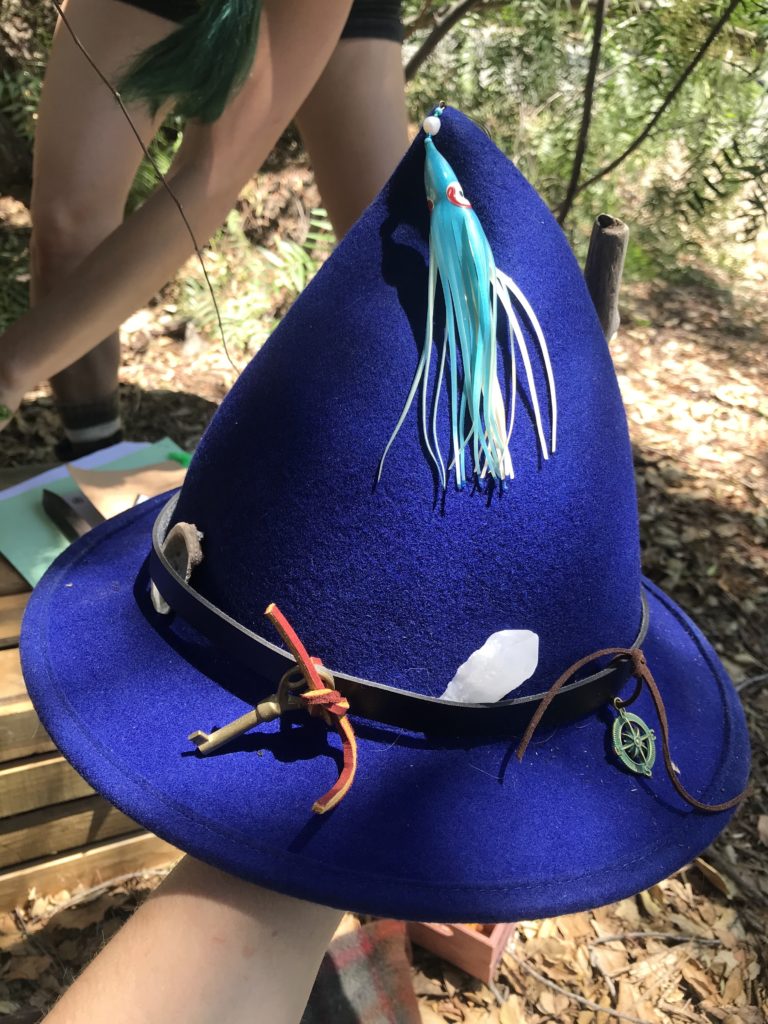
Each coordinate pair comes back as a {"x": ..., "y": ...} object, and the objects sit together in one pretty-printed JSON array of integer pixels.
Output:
[{"x": 473, "y": 288}]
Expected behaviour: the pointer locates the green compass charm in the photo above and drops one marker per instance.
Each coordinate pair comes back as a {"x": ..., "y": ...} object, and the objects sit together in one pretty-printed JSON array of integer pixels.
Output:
[{"x": 634, "y": 743}]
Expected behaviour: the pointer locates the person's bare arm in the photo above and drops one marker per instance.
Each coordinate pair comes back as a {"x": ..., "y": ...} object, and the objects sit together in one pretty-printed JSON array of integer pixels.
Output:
[
  {"x": 204, "y": 947},
  {"x": 215, "y": 161}
]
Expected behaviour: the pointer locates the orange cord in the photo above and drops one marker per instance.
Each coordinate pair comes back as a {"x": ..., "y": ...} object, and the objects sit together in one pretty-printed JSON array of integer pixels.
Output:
[{"x": 321, "y": 700}]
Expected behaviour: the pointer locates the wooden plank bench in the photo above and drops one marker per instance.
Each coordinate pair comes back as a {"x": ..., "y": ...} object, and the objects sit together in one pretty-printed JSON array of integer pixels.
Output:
[{"x": 55, "y": 832}]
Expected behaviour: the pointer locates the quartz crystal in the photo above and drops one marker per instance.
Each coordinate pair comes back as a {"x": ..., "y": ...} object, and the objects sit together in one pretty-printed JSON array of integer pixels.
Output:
[{"x": 505, "y": 660}]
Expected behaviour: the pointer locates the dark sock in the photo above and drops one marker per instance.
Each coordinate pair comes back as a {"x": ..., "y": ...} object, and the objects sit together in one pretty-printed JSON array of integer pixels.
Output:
[
  {"x": 89, "y": 426},
  {"x": 66, "y": 451}
]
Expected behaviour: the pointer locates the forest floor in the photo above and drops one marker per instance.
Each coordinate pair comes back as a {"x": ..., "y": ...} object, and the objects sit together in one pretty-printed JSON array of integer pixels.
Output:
[{"x": 693, "y": 369}]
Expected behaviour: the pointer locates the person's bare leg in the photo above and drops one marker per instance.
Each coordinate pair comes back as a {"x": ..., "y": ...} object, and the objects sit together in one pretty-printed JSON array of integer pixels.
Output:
[
  {"x": 296, "y": 40},
  {"x": 205, "y": 947},
  {"x": 354, "y": 125},
  {"x": 85, "y": 160}
]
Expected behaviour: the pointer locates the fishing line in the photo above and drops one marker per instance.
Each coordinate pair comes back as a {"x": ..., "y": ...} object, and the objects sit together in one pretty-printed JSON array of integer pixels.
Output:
[{"x": 159, "y": 174}]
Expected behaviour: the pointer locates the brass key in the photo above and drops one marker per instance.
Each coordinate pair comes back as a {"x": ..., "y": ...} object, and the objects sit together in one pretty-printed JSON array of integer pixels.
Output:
[{"x": 266, "y": 711}]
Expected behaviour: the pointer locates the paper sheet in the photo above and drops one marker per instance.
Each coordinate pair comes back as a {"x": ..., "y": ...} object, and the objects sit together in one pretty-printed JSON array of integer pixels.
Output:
[
  {"x": 114, "y": 490},
  {"x": 103, "y": 457},
  {"x": 28, "y": 538}
]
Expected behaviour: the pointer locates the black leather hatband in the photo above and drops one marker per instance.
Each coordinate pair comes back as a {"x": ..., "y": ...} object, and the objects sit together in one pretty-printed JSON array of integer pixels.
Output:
[{"x": 377, "y": 701}]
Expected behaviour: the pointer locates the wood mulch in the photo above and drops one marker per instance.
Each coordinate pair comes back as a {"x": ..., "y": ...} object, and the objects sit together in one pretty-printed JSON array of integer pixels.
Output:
[{"x": 684, "y": 950}]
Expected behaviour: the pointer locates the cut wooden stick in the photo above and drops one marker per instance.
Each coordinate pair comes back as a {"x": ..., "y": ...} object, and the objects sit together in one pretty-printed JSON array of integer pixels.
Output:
[{"x": 604, "y": 268}]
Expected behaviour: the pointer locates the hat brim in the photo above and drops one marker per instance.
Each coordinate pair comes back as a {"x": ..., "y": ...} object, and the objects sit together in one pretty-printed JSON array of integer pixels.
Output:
[{"x": 432, "y": 829}]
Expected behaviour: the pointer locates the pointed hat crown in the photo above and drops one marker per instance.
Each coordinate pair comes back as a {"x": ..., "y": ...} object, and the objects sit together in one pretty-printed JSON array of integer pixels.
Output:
[{"x": 399, "y": 581}]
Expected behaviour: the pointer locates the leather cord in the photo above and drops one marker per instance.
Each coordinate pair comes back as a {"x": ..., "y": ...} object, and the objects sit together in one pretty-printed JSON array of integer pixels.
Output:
[
  {"x": 323, "y": 701},
  {"x": 634, "y": 657},
  {"x": 643, "y": 673}
]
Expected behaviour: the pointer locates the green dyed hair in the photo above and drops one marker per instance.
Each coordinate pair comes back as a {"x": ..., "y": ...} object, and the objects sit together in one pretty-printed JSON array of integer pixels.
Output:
[{"x": 199, "y": 65}]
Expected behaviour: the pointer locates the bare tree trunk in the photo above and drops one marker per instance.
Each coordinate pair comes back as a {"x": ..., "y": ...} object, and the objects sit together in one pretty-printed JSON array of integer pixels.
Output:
[{"x": 442, "y": 26}]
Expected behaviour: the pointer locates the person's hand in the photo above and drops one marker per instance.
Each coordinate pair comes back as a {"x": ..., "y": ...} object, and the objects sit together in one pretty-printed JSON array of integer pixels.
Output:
[{"x": 205, "y": 947}]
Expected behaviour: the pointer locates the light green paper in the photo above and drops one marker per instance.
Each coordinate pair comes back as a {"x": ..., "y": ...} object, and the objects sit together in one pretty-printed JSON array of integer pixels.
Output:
[{"x": 28, "y": 538}]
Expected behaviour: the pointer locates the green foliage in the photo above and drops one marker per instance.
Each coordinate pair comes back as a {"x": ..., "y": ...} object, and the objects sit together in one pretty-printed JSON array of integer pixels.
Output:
[
  {"x": 697, "y": 183},
  {"x": 700, "y": 179},
  {"x": 14, "y": 277},
  {"x": 246, "y": 279},
  {"x": 20, "y": 96},
  {"x": 162, "y": 149}
]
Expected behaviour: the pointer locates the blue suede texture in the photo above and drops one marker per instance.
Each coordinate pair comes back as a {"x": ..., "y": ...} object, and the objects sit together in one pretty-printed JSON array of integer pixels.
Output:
[
  {"x": 389, "y": 582},
  {"x": 432, "y": 829},
  {"x": 400, "y": 584}
]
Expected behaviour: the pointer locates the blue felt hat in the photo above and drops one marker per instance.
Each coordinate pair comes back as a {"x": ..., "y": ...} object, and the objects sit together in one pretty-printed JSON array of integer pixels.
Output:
[{"x": 394, "y": 576}]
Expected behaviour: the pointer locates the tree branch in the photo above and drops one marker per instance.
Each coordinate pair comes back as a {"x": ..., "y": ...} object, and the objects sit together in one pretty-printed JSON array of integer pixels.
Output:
[
  {"x": 442, "y": 27},
  {"x": 586, "y": 116},
  {"x": 423, "y": 19},
  {"x": 668, "y": 100}
]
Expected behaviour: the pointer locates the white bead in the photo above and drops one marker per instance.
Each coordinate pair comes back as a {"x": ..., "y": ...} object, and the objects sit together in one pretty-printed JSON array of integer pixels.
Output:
[{"x": 431, "y": 124}]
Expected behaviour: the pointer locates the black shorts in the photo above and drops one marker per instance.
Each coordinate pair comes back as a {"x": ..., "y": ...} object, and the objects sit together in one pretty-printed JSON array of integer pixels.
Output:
[{"x": 368, "y": 19}]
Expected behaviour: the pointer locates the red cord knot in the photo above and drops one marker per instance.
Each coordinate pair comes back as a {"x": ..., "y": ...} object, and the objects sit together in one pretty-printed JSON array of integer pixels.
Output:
[
  {"x": 325, "y": 702},
  {"x": 321, "y": 699}
]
